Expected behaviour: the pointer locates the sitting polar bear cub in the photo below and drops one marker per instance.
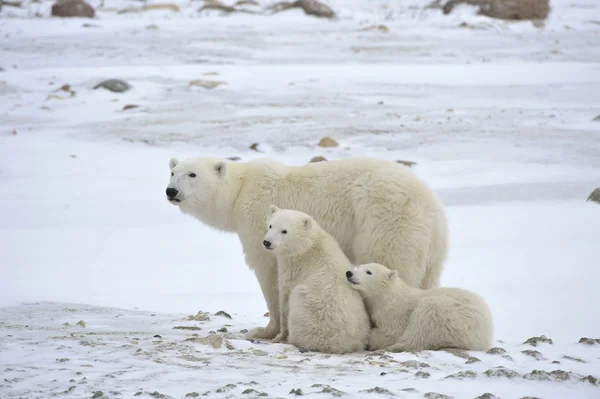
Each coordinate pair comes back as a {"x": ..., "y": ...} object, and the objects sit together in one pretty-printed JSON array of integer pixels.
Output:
[
  {"x": 411, "y": 319},
  {"x": 378, "y": 211},
  {"x": 319, "y": 311}
]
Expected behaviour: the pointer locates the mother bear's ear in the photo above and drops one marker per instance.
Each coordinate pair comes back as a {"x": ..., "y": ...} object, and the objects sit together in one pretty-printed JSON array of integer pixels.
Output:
[
  {"x": 173, "y": 162},
  {"x": 272, "y": 209},
  {"x": 221, "y": 168}
]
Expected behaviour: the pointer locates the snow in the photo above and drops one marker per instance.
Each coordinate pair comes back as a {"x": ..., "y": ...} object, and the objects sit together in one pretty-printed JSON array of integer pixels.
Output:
[{"x": 499, "y": 119}]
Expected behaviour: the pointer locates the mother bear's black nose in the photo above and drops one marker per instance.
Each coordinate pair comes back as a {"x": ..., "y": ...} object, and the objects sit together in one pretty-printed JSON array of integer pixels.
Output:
[
  {"x": 172, "y": 192},
  {"x": 348, "y": 274},
  {"x": 267, "y": 243}
]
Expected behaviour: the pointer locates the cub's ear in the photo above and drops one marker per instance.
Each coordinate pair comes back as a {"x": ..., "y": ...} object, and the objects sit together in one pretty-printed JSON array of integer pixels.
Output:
[
  {"x": 173, "y": 162},
  {"x": 221, "y": 168},
  {"x": 307, "y": 223},
  {"x": 392, "y": 274},
  {"x": 272, "y": 209}
]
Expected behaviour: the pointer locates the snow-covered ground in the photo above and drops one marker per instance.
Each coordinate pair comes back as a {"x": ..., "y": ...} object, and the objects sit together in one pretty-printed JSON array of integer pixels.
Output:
[{"x": 498, "y": 116}]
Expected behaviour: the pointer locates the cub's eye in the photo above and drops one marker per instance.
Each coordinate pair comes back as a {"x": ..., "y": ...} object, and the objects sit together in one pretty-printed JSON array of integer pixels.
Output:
[
  {"x": 192, "y": 175},
  {"x": 369, "y": 272},
  {"x": 283, "y": 231},
  {"x": 270, "y": 226},
  {"x": 172, "y": 174}
]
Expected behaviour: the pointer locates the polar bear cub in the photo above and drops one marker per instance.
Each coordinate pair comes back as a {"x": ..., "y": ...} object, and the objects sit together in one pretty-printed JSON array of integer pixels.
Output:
[
  {"x": 412, "y": 319},
  {"x": 319, "y": 311}
]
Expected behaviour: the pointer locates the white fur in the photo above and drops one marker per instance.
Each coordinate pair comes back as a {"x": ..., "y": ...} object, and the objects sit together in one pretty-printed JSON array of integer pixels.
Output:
[
  {"x": 319, "y": 311},
  {"x": 411, "y": 319},
  {"x": 378, "y": 211}
]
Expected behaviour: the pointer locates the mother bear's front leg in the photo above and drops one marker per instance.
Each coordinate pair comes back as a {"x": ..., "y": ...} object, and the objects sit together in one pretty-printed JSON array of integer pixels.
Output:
[{"x": 265, "y": 268}]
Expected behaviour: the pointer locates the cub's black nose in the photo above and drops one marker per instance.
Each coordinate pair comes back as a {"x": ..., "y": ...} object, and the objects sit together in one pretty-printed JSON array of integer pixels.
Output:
[
  {"x": 172, "y": 192},
  {"x": 348, "y": 274},
  {"x": 267, "y": 243}
]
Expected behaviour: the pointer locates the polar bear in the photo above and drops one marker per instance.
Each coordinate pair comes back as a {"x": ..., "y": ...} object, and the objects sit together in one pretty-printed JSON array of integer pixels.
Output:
[
  {"x": 319, "y": 311},
  {"x": 412, "y": 319},
  {"x": 378, "y": 211}
]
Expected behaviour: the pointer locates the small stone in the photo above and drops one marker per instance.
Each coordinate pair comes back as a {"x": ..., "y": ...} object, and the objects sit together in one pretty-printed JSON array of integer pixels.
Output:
[
  {"x": 14, "y": 132},
  {"x": 223, "y": 313},
  {"x": 555, "y": 362},
  {"x": 327, "y": 142},
  {"x": 244, "y": 331},
  {"x": 534, "y": 354},
  {"x": 207, "y": 84},
  {"x": 190, "y": 328},
  {"x": 258, "y": 352},
  {"x": 281, "y": 357},
  {"x": 157, "y": 336},
  {"x": 234, "y": 158},
  {"x": 410, "y": 164},
  {"x": 158, "y": 395},
  {"x": 380, "y": 28},
  {"x": 192, "y": 395},
  {"x": 413, "y": 364},
  {"x": 422, "y": 374},
  {"x": 328, "y": 389},
  {"x": 266, "y": 314},
  {"x": 594, "y": 197},
  {"x": 200, "y": 316},
  {"x": 130, "y": 106},
  {"x": 487, "y": 395},
  {"x": 72, "y": 8},
  {"x": 457, "y": 352},
  {"x": 62, "y": 360},
  {"x": 114, "y": 85},
  {"x": 229, "y": 346},
  {"x": 81, "y": 324},
  {"x": 216, "y": 341},
  {"x": 152, "y": 27},
  {"x": 297, "y": 392},
  {"x": 139, "y": 393},
  {"x": 318, "y": 158},
  {"x": 409, "y": 390},
  {"x": 468, "y": 374},
  {"x": 592, "y": 380},
  {"x": 596, "y": 119},
  {"x": 435, "y": 395},
  {"x": 379, "y": 390},
  {"x": 535, "y": 341},
  {"x": 501, "y": 372},
  {"x": 97, "y": 394},
  {"x": 222, "y": 330},
  {"x": 383, "y": 373},
  {"x": 472, "y": 359},
  {"x": 254, "y": 147}
]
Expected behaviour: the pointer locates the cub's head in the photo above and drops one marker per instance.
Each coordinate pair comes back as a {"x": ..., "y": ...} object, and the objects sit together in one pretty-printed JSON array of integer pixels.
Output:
[
  {"x": 194, "y": 180},
  {"x": 289, "y": 231},
  {"x": 370, "y": 278}
]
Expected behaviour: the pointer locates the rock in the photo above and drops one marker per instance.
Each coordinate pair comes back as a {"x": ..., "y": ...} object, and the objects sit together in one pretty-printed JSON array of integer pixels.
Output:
[
  {"x": 327, "y": 142},
  {"x": 157, "y": 336},
  {"x": 379, "y": 390},
  {"x": 496, "y": 351},
  {"x": 161, "y": 6},
  {"x": 130, "y": 106},
  {"x": 229, "y": 346},
  {"x": 310, "y": 7},
  {"x": 200, "y": 316},
  {"x": 461, "y": 375},
  {"x": 328, "y": 389},
  {"x": 192, "y": 395},
  {"x": 223, "y": 313},
  {"x": 410, "y": 164},
  {"x": 153, "y": 27},
  {"x": 435, "y": 395},
  {"x": 234, "y": 158},
  {"x": 594, "y": 197},
  {"x": 258, "y": 352},
  {"x": 380, "y": 28},
  {"x": 592, "y": 380},
  {"x": 457, "y": 352},
  {"x": 472, "y": 359},
  {"x": 422, "y": 374},
  {"x": 97, "y": 394},
  {"x": 72, "y": 8},
  {"x": 535, "y": 341},
  {"x": 81, "y": 324},
  {"x": 222, "y": 330},
  {"x": 158, "y": 395},
  {"x": 216, "y": 341},
  {"x": 266, "y": 314},
  {"x": 244, "y": 331},
  {"x": 501, "y": 372},
  {"x": 534, "y": 354},
  {"x": 506, "y": 9},
  {"x": 413, "y": 364},
  {"x": 487, "y": 395},
  {"x": 114, "y": 85},
  {"x": 207, "y": 84},
  {"x": 297, "y": 392},
  {"x": 318, "y": 158},
  {"x": 575, "y": 359},
  {"x": 190, "y": 328},
  {"x": 555, "y": 375}
]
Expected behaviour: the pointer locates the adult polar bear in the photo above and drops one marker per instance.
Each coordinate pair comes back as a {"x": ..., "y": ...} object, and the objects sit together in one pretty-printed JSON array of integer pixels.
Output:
[{"x": 378, "y": 211}]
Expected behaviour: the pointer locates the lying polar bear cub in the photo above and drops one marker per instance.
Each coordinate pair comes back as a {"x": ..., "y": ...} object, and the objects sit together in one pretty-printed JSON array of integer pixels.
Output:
[
  {"x": 319, "y": 311},
  {"x": 411, "y": 319}
]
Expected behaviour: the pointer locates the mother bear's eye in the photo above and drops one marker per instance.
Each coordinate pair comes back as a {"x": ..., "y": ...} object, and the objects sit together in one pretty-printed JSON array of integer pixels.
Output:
[
  {"x": 172, "y": 174},
  {"x": 369, "y": 272},
  {"x": 192, "y": 175},
  {"x": 283, "y": 231},
  {"x": 270, "y": 226}
]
